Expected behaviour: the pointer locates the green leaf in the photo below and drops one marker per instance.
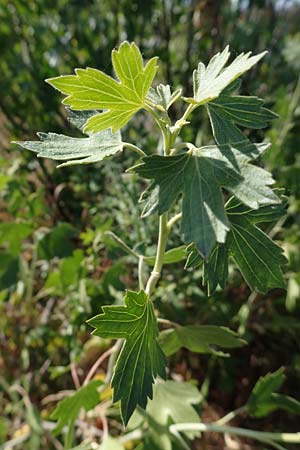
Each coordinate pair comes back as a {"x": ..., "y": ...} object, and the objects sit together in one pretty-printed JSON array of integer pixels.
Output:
[
  {"x": 199, "y": 174},
  {"x": 199, "y": 339},
  {"x": 162, "y": 97},
  {"x": 210, "y": 81},
  {"x": 88, "y": 150},
  {"x": 67, "y": 410},
  {"x": 92, "y": 89},
  {"x": 259, "y": 259},
  {"x": 58, "y": 242},
  {"x": 245, "y": 111},
  {"x": 12, "y": 234},
  {"x": 110, "y": 444},
  {"x": 171, "y": 256},
  {"x": 141, "y": 359},
  {"x": 263, "y": 400},
  {"x": 172, "y": 403}
]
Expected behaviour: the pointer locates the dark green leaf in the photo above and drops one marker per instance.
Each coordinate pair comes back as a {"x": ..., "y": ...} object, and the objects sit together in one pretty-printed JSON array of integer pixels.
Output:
[
  {"x": 199, "y": 175},
  {"x": 259, "y": 259},
  {"x": 67, "y": 410},
  {"x": 245, "y": 111},
  {"x": 199, "y": 339},
  {"x": 257, "y": 256},
  {"x": 57, "y": 242},
  {"x": 141, "y": 359}
]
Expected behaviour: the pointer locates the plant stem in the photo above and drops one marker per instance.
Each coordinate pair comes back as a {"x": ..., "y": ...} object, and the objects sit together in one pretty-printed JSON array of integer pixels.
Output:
[
  {"x": 140, "y": 273},
  {"x": 98, "y": 363},
  {"x": 173, "y": 220},
  {"x": 69, "y": 436},
  {"x": 135, "y": 149},
  {"x": 228, "y": 417},
  {"x": 161, "y": 248},
  {"x": 288, "y": 438}
]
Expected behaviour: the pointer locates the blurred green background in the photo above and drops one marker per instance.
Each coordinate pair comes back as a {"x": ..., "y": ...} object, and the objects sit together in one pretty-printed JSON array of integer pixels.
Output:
[{"x": 58, "y": 265}]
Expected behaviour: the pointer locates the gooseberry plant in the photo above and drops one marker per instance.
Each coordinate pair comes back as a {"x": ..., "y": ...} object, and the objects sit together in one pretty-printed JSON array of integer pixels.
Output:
[{"x": 222, "y": 195}]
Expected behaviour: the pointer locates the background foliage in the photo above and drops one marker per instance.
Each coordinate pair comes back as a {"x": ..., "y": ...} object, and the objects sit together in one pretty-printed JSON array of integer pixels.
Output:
[{"x": 57, "y": 263}]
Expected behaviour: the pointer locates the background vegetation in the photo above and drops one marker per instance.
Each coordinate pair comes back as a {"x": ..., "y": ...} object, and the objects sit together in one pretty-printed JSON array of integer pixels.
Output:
[{"x": 57, "y": 263}]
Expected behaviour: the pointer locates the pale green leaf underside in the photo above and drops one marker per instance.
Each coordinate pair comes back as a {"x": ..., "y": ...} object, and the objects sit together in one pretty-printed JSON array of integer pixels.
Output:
[
  {"x": 87, "y": 150},
  {"x": 211, "y": 80},
  {"x": 110, "y": 444},
  {"x": 93, "y": 89},
  {"x": 199, "y": 339},
  {"x": 141, "y": 359},
  {"x": 67, "y": 410}
]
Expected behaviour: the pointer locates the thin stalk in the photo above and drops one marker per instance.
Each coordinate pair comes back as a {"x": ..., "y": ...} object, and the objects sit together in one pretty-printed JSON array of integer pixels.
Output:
[
  {"x": 173, "y": 220},
  {"x": 140, "y": 272},
  {"x": 288, "y": 438},
  {"x": 136, "y": 149},
  {"x": 230, "y": 416},
  {"x": 69, "y": 436},
  {"x": 98, "y": 363},
  {"x": 161, "y": 248}
]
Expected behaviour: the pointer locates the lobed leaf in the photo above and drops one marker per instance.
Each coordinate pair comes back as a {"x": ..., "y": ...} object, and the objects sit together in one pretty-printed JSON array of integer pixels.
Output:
[
  {"x": 259, "y": 259},
  {"x": 263, "y": 400},
  {"x": 88, "y": 150},
  {"x": 92, "y": 89},
  {"x": 200, "y": 174},
  {"x": 199, "y": 339},
  {"x": 141, "y": 359},
  {"x": 211, "y": 80},
  {"x": 68, "y": 409}
]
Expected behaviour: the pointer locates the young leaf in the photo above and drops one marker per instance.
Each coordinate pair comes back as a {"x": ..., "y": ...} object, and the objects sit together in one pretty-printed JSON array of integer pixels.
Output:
[
  {"x": 199, "y": 339},
  {"x": 141, "y": 359},
  {"x": 162, "y": 97},
  {"x": 92, "y": 89},
  {"x": 199, "y": 174},
  {"x": 88, "y": 150},
  {"x": 263, "y": 400},
  {"x": 259, "y": 259},
  {"x": 68, "y": 409},
  {"x": 210, "y": 81}
]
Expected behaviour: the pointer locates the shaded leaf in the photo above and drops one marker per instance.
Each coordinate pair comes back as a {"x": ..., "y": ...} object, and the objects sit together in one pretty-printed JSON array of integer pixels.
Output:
[
  {"x": 199, "y": 339},
  {"x": 141, "y": 359},
  {"x": 92, "y": 89},
  {"x": 67, "y": 410},
  {"x": 263, "y": 400},
  {"x": 199, "y": 174},
  {"x": 171, "y": 256},
  {"x": 259, "y": 259}
]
